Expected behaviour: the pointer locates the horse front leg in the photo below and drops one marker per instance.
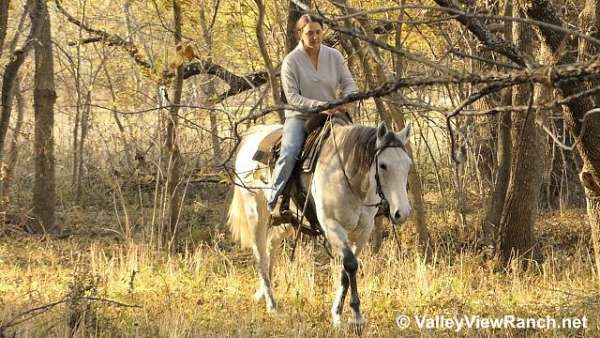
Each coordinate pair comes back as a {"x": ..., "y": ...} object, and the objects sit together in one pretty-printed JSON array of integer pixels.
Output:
[
  {"x": 350, "y": 262},
  {"x": 340, "y": 297},
  {"x": 351, "y": 267},
  {"x": 338, "y": 239}
]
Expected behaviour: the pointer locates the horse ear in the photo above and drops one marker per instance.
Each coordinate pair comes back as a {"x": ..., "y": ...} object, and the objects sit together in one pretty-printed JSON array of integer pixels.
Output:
[
  {"x": 381, "y": 130},
  {"x": 404, "y": 134},
  {"x": 383, "y": 135}
]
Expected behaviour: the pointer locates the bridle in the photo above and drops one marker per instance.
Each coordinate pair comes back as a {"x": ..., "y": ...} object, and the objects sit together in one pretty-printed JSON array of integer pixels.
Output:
[{"x": 383, "y": 205}]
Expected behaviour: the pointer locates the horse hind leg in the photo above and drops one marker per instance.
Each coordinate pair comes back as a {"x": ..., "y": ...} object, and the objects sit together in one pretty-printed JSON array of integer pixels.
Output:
[
  {"x": 264, "y": 289},
  {"x": 274, "y": 239},
  {"x": 261, "y": 255}
]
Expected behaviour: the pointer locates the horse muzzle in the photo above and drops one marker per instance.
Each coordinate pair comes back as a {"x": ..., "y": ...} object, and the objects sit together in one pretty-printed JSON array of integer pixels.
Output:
[{"x": 400, "y": 216}]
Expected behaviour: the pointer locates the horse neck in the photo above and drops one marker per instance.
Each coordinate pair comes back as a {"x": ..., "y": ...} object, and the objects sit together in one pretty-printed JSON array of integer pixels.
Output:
[{"x": 362, "y": 184}]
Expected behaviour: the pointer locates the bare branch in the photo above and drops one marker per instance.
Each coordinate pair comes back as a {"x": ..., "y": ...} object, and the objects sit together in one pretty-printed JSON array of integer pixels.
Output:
[
  {"x": 400, "y": 51},
  {"x": 486, "y": 36},
  {"x": 112, "y": 302},
  {"x": 584, "y": 123},
  {"x": 470, "y": 100},
  {"x": 456, "y": 12},
  {"x": 86, "y": 41},
  {"x": 31, "y": 312},
  {"x": 111, "y": 39},
  {"x": 237, "y": 83}
]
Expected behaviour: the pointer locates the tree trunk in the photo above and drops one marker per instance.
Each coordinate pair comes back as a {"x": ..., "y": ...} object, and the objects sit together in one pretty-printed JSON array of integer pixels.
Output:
[
  {"x": 485, "y": 135},
  {"x": 561, "y": 188},
  {"x": 460, "y": 212},
  {"x": 416, "y": 187},
  {"x": 80, "y": 127},
  {"x": 78, "y": 112},
  {"x": 13, "y": 153},
  {"x": 173, "y": 198},
  {"x": 294, "y": 13},
  {"x": 260, "y": 36},
  {"x": 8, "y": 82},
  {"x": 520, "y": 207},
  {"x": 210, "y": 87},
  {"x": 10, "y": 89},
  {"x": 593, "y": 210},
  {"x": 590, "y": 24},
  {"x": 132, "y": 30},
  {"x": 397, "y": 116},
  {"x": 492, "y": 218},
  {"x": 3, "y": 22},
  {"x": 115, "y": 115},
  {"x": 583, "y": 122},
  {"x": 85, "y": 119},
  {"x": 44, "y": 96}
]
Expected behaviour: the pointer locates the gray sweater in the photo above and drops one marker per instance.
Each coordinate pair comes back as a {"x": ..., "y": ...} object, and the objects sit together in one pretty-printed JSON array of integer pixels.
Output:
[{"x": 305, "y": 86}]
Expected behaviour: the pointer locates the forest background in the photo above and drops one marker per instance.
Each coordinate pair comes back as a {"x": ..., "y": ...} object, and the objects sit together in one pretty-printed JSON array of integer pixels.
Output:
[{"x": 120, "y": 119}]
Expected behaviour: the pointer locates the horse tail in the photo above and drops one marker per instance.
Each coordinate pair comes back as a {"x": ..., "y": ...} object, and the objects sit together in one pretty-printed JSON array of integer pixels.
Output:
[{"x": 237, "y": 219}]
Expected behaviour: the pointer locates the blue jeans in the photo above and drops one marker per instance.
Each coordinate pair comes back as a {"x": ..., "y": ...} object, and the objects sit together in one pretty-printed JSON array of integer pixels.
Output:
[{"x": 291, "y": 145}]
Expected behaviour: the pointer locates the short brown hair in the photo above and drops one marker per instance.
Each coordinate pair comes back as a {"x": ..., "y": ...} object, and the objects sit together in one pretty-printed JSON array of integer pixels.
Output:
[{"x": 305, "y": 20}]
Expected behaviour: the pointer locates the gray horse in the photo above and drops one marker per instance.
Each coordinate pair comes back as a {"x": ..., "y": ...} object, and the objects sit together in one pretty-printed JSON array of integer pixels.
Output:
[{"x": 358, "y": 168}]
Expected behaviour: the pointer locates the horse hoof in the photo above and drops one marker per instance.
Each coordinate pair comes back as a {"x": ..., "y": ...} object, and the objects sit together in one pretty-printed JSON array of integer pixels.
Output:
[
  {"x": 336, "y": 320},
  {"x": 259, "y": 295},
  {"x": 271, "y": 304},
  {"x": 358, "y": 325}
]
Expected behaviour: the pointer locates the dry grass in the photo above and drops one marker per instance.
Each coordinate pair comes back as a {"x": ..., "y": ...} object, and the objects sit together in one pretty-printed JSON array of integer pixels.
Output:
[{"x": 206, "y": 291}]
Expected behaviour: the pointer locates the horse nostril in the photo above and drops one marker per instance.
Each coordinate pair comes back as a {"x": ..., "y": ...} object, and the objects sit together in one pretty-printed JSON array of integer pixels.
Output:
[{"x": 397, "y": 215}]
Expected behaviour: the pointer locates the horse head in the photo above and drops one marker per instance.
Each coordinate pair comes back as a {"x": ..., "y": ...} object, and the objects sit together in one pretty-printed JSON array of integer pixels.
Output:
[{"x": 392, "y": 165}]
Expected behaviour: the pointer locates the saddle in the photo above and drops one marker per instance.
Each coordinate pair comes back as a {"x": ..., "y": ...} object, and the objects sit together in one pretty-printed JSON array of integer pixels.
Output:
[
  {"x": 268, "y": 152},
  {"x": 269, "y": 147}
]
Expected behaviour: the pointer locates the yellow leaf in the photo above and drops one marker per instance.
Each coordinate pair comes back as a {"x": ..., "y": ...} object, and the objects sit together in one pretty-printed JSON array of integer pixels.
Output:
[
  {"x": 185, "y": 52},
  {"x": 188, "y": 53}
]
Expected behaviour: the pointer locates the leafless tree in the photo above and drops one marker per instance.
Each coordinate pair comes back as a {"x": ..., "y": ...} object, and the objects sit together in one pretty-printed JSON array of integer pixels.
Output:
[{"x": 44, "y": 195}]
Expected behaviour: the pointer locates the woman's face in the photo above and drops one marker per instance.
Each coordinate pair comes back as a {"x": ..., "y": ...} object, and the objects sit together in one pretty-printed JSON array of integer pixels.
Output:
[{"x": 311, "y": 35}]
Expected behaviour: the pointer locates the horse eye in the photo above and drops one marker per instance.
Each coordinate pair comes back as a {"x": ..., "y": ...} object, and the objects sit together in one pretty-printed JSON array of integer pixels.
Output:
[{"x": 383, "y": 166}]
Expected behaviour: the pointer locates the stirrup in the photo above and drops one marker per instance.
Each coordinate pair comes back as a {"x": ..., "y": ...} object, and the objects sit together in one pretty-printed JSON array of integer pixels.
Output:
[
  {"x": 281, "y": 212},
  {"x": 278, "y": 208}
]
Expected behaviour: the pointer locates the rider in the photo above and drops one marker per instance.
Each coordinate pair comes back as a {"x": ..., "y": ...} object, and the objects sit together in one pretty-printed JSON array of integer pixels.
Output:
[{"x": 311, "y": 75}]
